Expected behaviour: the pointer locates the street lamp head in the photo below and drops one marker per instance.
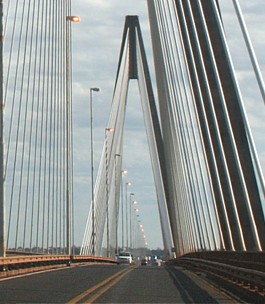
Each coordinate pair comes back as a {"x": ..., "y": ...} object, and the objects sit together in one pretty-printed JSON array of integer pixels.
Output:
[
  {"x": 95, "y": 89},
  {"x": 129, "y": 184},
  {"x": 109, "y": 129},
  {"x": 75, "y": 19},
  {"x": 131, "y": 193},
  {"x": 124, "y": 171}
]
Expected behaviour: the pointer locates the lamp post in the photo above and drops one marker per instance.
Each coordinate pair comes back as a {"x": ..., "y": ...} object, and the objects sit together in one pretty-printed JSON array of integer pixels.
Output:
[
  {"x": 68, "y": 66},
  {"x": 142, "y": 236},
  {"x": 92, "y": 168},
  {"x": 122, "y": 210},
  {"x": 107, "y": 186},
  {"x": 2, "y": 203},
  {"x": 133, "y": 223},
  {"x": 126, "y": 212},
  {"x": 131, "y": 194},
  {"x": 116, "y": 205}
]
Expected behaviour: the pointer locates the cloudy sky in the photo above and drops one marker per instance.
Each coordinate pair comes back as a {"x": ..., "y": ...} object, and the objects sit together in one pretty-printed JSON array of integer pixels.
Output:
[{"x": 96, "y": 46}]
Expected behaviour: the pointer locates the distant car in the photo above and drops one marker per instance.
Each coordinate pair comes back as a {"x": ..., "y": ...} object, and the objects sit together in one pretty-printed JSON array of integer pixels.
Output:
[
  {"x": 144, "y": 262},
  {"x": 125, "y": 258}
]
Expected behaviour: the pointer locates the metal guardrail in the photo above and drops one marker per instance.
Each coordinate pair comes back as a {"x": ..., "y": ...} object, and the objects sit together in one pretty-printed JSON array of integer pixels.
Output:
[
  {"x": 14, "y": 265},
  {"x": 242, "y": 274},
  {"x": 245, "y": 259},
  {"x": 248, "y": 277}
]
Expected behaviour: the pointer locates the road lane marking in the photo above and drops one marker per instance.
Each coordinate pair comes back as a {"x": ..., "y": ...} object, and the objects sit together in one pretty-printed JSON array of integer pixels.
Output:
[
  {"x": 103, "y": 290},
  {"x": 111, "y": 281}
]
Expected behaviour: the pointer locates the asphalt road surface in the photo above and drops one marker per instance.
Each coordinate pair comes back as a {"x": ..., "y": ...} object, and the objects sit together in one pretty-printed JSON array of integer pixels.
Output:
[{"x": 112, "y": 284}]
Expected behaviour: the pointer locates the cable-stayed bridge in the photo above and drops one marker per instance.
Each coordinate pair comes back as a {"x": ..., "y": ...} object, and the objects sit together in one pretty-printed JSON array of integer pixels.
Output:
[{"x": 208, "y": 178}]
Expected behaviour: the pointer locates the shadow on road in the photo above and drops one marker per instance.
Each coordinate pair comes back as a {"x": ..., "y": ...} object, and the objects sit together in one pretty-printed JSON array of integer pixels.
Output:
[{"x": 189, "y": 290}]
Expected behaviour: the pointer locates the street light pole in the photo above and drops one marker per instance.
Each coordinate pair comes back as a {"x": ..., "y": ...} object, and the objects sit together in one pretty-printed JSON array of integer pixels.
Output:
[
  {"x": 116, "y": 205},
  {"x": 131, "y": 194},
  {"x": 92, "y": 168},
  {"x": 134, "y": 226},
  {"x": 133, "y": 203},
  {"x": 69, "y": 157},
  {"x": 122, "y": 209},
  {"x": 2, "y": 203},
  {"x": 126, "y": 205}
]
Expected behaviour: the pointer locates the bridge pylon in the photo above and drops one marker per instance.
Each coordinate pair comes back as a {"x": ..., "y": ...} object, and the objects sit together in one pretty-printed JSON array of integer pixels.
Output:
[{"x": 132, "y": 65}]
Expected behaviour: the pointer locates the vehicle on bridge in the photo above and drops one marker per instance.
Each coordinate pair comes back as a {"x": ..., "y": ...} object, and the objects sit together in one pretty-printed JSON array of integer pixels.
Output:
[{"x": 124, "y": 257}]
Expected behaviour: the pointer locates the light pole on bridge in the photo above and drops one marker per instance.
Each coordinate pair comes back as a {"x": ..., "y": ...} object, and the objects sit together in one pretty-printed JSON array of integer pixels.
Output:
[
  {"x": 92, "y": 168},
  {"x": 117, "y": 200},
  {"x": 126, "y": 212},
  {"x": 134, "y": 216},
  {"x": 122, "y": 209},
  {"x": 2, "y": 203},
  {"x": 69, "y": 157},
  {"x": 130, "y": 202}
]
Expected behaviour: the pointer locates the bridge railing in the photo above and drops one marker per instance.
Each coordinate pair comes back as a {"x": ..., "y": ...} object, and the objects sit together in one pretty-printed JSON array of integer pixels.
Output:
[
  {"x": 246, "y": 259},
  {"x": 15, "y": 265},
  {"x": 241, "y": 272}
]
